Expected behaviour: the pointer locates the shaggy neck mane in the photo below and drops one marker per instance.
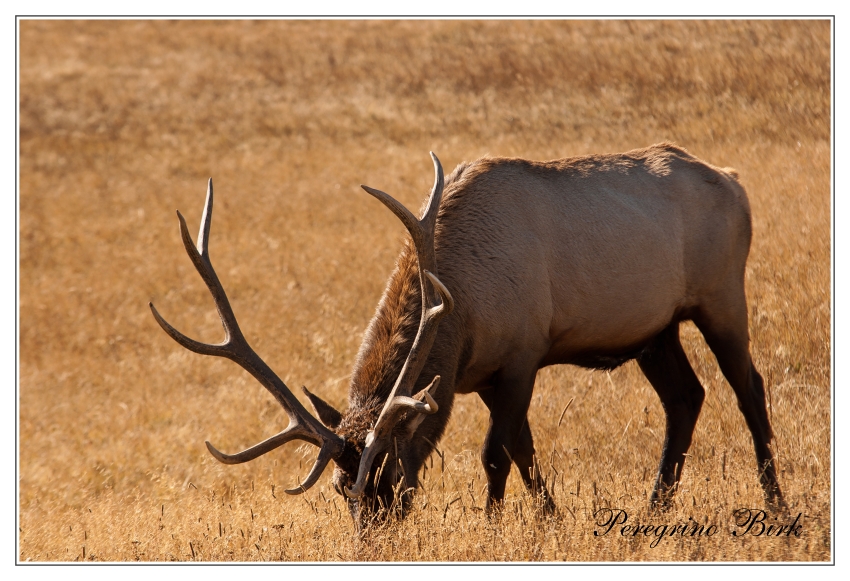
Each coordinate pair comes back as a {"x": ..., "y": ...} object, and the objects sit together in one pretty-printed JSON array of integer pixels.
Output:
[{"x": 389, "y": 337}]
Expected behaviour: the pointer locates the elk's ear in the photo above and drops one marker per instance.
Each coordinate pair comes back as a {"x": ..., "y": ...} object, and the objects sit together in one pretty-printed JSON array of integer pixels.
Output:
[{"x": 326, "y": 412}]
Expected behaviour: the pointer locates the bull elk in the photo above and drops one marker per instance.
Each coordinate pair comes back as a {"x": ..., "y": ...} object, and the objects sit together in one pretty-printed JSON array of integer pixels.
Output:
[{"x": 591, "y": 261}]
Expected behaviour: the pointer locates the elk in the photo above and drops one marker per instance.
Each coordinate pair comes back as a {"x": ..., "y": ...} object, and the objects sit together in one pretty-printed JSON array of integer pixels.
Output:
[{"x": 591, "y": 261}]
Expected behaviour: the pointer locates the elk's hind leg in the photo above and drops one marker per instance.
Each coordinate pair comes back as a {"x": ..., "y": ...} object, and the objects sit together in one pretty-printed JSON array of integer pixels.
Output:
[
  {"x": 668, "y": 370},
  {"x": 509, "y": 438},
  {"x": 728, "y": 338}
]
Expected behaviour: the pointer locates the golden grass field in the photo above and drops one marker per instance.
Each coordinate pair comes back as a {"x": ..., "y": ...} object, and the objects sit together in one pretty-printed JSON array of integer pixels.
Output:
[{"x": 121, "y": 123}]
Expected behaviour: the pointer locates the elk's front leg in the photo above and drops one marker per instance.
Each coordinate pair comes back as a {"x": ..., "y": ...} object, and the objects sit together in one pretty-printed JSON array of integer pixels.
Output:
[{"x": 509, "y": 438}]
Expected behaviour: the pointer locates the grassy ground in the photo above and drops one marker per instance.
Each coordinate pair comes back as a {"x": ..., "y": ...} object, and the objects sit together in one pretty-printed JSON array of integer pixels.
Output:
[{"x": 122, "y": 122}]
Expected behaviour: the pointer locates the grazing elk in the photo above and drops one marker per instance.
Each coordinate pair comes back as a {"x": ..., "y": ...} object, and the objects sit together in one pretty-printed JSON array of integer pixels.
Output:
[{"x": 589, "y": 260}]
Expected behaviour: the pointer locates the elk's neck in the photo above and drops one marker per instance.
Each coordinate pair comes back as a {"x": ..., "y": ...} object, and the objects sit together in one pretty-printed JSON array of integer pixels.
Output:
[
  {"x": 386, "y": 345},
  {"x": 389, "y": 337}
]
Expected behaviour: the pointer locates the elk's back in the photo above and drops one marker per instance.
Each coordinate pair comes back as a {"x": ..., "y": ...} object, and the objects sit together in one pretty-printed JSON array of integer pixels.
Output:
[{"x": 584, "y": 255}]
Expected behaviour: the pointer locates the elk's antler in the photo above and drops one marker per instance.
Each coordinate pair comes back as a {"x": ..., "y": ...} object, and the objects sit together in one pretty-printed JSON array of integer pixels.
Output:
[
  {"x": 302, "y": 425},
  {"x": 401, "y": 399}
]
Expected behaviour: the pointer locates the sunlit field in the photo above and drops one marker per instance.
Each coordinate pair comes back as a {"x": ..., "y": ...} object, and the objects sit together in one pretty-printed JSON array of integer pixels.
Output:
[{"x": 121, "y": 124}]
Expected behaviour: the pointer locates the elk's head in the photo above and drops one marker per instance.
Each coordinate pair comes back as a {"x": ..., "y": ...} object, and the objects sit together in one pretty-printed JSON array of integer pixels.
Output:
[{"x": 368, "y": 442}]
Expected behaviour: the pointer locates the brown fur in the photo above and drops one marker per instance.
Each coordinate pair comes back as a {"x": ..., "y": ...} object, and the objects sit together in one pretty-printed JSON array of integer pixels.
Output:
[{"x": 390, "y": 335}]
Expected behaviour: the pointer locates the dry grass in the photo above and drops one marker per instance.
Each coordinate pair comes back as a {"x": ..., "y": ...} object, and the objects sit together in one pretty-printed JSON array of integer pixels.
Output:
[{"x": 122, "y": 122}]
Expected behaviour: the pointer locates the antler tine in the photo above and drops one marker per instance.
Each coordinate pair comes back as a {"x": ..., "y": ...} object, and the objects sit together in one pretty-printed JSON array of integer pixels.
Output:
[
  {"x": 326, "y": 454},
  {"x": 447, "y": 303},
  {"x": 206, "y": 220},
  {"x": 235, "y": 347},
  {"x": 255, "y": 451},
  {"x": 401, "y": 403},
  {"x": 421, "y": 230},
  {"x": 410, "y": 221},
  {"x": 430, "y": 215}
]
